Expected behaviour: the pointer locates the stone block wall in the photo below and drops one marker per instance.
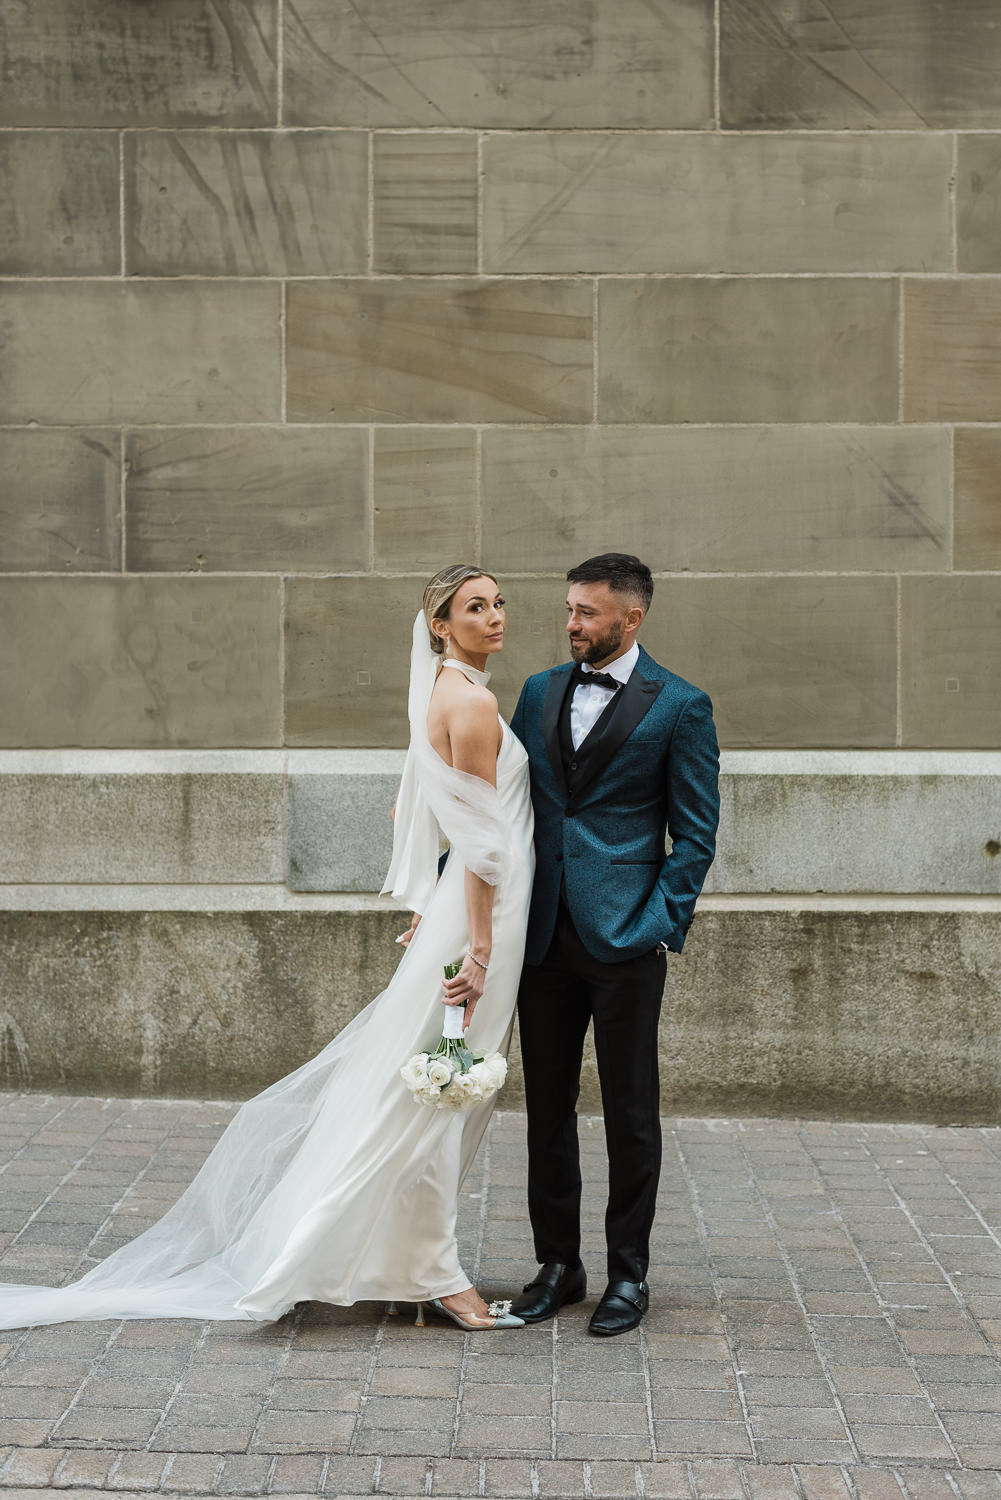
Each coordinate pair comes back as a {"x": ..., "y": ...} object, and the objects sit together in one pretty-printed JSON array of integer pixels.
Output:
[{"x": 301, "y": 300}]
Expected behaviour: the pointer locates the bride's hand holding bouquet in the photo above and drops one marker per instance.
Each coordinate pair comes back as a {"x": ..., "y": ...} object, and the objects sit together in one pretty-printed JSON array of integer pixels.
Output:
[{"x": 453, "y": 1077}]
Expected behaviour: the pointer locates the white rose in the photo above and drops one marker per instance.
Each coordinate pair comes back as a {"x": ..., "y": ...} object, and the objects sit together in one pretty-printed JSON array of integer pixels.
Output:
[
  {"x": 495, "y": 1068},
  {"x": 414, "y": 1071},
  {"x": 439, "y": 1072}
]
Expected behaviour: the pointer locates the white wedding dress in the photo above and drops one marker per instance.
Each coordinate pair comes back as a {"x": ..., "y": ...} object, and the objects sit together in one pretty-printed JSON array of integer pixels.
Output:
[{"x": 334, "y": 1185}]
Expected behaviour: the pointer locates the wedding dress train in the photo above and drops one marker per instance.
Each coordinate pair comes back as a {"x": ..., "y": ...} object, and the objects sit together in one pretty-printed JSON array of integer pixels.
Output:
[{"x": 334, "y": 1184}]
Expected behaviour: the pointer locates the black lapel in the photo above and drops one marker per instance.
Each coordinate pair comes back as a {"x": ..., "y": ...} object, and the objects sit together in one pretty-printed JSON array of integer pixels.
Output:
[
  {"x": 633, "y": 703},
  {"x": 559, "y": 680}
]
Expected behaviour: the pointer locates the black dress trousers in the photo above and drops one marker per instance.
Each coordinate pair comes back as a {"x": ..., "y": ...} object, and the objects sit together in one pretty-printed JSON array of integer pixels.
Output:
[{"x": 556, "y": 1001}]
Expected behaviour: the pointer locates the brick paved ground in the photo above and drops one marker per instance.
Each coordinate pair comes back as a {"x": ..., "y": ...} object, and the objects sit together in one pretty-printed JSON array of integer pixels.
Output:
[{"x": 826, "y": 1325}]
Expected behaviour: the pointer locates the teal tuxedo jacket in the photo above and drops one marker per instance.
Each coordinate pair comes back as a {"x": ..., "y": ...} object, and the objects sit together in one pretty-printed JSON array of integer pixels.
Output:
[{"x": 652, "y": 770}]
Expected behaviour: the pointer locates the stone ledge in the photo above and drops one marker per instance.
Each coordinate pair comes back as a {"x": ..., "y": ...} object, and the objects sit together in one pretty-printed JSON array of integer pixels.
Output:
[{"x": 895, "y": 822}]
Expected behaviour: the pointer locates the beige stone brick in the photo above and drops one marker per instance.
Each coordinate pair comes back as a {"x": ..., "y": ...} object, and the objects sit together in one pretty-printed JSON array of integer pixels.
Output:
[
  {"x": 951, "y": 661},
  {"x": 860, "y": 65},
  {"x": 610, "y": 63},
  {"x": 59, "y": 203},
  {"x": 952, "y": 350},
  {"x": 240, "y": 203},
  {"x": 977, "y": 505},
  {"x": 110, "y": 62},
  {"x": 328, "y": 705},
  {"x": 604, "y": 202},
  {"x": 978, "y": 203},
  {"x": 425, "y": 202},
  {"x": 98, "y": 352},
  {"x": 60, "y": 500},
  {"x": 767, "y": 349},
  {"x": 710, "y": 499},
  {"x": 137, "y": 662},
  {"x": 247, "y": 500},
  {"x": 425, "y": 497},
  {"x": 787, "y": 661},
  {"x": 347, "y": 659},
  {"x": 460, "y": 350}
]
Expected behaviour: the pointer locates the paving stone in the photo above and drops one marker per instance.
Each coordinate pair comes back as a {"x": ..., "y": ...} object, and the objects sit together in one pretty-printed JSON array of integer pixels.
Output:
[
  {"x": 455, "y": 1476},
  {"x": 688, "y": 1436},
  {"x": 926, "y": 1484},
  {"x": 191, "y": 1472},
  {"x": 403, "y": 1476},
  {"x": 665, "y": 1480},
  {"x": 187, "y": 1437},
  {"x": 609, "y": 1477},
  {"x": 884, "y": 1440},
  {"x": 556, "y": 1477},
  {"x": 618, "y": 66},
  {"x": 439, "y": 351},
  {"x": 720, "y": 1480},
  {"x": 852, "y": 67},
  {"x": 297, "y": 1474},
  {"x": 83, "y": 1470},
  {"x": 255, "y": 203},
  {"x": 770, "y": 1482},
  {"x": 349, "y": 1476},
  {"x": 244, "y": 1475},
  {"x": 31, "y": 1466},
  {"x": 137, "y": 1471},
  {"x": 871, "y": 1484},
  {"x": 822, "y": 1483},
  {"x": 296, "y": 1432}
]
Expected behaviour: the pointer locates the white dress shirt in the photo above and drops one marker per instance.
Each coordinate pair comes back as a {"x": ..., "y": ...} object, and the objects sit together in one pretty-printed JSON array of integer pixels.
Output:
[{"x": 591, "y": 699}]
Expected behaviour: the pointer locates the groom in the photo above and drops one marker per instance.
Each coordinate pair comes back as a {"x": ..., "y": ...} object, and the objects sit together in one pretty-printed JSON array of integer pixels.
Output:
[{"x": 621, "y": 752}]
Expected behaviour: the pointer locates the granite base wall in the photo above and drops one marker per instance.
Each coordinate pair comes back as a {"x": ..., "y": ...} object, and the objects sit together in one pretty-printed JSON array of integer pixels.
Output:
[{"x": 892, "y": 1012}]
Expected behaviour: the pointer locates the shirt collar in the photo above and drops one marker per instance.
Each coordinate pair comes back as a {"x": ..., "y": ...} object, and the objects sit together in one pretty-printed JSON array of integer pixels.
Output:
[{"x": 622, "y": 667}]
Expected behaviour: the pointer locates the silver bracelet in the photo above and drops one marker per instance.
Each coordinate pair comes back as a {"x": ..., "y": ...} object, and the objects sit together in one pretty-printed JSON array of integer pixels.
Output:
[{"x": 476, "y": 961}]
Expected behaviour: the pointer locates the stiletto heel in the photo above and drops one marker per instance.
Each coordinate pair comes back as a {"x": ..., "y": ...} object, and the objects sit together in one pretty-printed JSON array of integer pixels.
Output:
[
  {"x": 392, "y": 1311},
  {"x": 501, "y": 1313},
  {"x": 419, "y": 1320}
]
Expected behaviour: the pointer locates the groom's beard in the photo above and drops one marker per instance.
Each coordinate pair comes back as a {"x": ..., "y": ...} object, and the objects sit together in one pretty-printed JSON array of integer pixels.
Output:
[{"x": 597, "y": 650}]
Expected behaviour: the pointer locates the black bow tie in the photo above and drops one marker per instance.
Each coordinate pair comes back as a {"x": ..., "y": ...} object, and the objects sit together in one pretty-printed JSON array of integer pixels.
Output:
[{"x": 600, "y": 679}]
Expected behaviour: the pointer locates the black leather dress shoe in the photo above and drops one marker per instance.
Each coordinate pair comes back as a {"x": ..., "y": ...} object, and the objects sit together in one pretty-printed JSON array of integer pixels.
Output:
[
  {"x": 621, "y": 1307},
  {"x": 554, "y": 1286}
]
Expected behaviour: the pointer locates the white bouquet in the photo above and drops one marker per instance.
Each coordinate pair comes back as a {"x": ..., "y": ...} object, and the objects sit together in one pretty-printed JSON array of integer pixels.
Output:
[{"x": 452, "y": 1077}]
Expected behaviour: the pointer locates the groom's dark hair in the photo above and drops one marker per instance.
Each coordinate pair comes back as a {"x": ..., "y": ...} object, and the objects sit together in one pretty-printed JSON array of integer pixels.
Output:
[{"x": 623, "y": 573}]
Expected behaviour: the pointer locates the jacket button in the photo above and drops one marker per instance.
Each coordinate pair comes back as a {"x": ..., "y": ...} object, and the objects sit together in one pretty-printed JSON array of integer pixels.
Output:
[{"x": 573, "y": 765}]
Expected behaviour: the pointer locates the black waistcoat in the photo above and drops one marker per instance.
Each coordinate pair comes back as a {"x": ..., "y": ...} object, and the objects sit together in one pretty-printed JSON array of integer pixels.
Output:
[{"x": 575, "y": 761}]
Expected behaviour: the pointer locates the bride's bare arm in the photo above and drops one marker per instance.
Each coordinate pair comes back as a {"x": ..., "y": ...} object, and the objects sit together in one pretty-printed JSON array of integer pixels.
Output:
[{"x": 471, "y": 722}]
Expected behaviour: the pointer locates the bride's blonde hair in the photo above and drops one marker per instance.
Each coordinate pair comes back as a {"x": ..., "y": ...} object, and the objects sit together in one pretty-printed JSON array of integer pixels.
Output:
[{"x": 441, "y": 590}]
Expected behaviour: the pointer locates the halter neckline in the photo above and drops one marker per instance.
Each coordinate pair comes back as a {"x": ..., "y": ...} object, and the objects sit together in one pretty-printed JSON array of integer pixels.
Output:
[{"x": 473, "y": 674}]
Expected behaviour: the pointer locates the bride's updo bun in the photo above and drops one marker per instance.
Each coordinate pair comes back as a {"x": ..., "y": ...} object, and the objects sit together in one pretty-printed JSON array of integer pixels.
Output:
[{"x": 441, "y": 590}]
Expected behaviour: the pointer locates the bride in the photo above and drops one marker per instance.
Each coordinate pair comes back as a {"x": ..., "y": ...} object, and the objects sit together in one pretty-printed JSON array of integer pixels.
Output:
[{"x": 334, "y": 1185}]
